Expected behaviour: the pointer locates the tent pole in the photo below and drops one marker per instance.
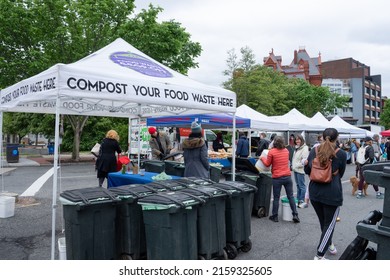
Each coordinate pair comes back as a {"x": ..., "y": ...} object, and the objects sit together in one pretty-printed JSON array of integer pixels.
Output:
[
  {"x": 55, "y": 173},
  {"x": 1, "y": 151},
  {"x": 234, "y": 148}
]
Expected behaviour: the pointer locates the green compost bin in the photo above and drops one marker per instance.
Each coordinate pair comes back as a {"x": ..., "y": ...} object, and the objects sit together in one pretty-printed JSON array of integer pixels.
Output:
[
  {"x": 130, "y": 229},
  {"x": 170, "y": 225},
  {"x": 238, "y": 212},
  {"x": 89, "y": 216},
  {"x": 211, "y": 232},
  {"x": 156, "y": 166}
]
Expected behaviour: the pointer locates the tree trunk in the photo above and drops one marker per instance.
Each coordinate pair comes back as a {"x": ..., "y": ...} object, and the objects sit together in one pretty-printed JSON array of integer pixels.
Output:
[{"x": 77, "y": 123}]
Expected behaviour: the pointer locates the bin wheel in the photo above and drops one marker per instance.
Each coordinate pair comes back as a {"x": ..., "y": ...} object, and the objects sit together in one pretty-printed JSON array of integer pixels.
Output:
[
  {"x": 247, "y": 246},
  {"x": 202, "y": 258},
  {"x": 354, "y": 249},
  {"x": 231, "y": 251},
  {"x": 225, "y": 255},
  {"x": 126, "y": 257},
  {"x": 261, "y": 212}
]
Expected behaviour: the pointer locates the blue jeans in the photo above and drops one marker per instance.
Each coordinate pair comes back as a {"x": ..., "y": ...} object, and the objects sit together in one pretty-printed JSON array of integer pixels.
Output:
[
  {"x": 301, "y": 187},
  {"x": 277, "y": 184}
]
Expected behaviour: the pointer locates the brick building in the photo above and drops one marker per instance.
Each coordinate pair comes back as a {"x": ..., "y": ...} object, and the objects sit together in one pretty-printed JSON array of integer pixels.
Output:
[
  {"x": 353, "y": 78},
  {"x": 302, "y": 66}
]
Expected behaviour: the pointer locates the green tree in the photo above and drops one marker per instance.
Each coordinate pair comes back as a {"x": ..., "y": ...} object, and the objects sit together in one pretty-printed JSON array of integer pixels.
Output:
[
  {"x": 309, "y": 99},
  {"x": 36, "y": 34},
  {"x": 385, "y": 116},
  {"x": 271, "y": 93}
]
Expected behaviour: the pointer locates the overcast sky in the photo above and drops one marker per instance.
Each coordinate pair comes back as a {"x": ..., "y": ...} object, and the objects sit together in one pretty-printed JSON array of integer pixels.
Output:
[{"x": 337, "y": 29}]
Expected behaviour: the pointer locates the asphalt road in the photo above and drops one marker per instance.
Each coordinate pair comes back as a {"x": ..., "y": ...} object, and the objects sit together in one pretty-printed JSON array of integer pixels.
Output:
[{"x": 27, "y": 235}]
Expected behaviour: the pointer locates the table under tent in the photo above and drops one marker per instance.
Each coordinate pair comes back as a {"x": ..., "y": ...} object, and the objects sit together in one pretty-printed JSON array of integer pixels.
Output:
[{"x": 116, "y": 81}]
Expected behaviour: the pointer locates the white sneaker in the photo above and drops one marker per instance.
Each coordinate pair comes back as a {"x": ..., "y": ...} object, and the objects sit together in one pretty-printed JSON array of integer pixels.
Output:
[
  {"x": 332, "y": 249},
  {"x": 317, "y": 258},
  {"x": 303, "y": 205}
]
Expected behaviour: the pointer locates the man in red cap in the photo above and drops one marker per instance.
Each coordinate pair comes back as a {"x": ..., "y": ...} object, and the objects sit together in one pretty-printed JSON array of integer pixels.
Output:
[{"x": 159, "y": 143}]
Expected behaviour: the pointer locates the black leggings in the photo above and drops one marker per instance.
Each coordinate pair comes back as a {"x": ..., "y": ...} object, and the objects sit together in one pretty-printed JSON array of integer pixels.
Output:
[{"x": 327, "y": 215}]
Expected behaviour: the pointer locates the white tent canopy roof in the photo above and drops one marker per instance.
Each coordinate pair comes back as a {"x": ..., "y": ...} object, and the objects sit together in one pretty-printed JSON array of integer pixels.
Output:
[
  {"x": 119, "y": 81},
  {"x": 259, "y": 120},
  {"x": 321, "y": 120},
  {"x": 346, "y": 128},
  {"x": 299, "y": 122}
]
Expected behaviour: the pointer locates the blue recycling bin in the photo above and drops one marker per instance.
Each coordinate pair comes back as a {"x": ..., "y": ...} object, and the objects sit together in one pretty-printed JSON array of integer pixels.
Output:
[
  {"x": 50, "y": 148},
  {"x": 12, "y": 153}
]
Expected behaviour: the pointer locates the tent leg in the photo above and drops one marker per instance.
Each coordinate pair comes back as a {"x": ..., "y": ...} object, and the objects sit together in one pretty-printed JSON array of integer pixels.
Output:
[{"x": 55, "y": 176}]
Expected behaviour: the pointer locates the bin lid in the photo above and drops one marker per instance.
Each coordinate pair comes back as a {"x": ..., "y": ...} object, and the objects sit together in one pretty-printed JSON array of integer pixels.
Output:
[
  {"x": 244, "y": 164},
  {"x": 235, "y": 186},
  {"x": 156, "y": 186},
  {"x": 206, "y": 192},
  {"x": 87, "y": 196},
  {"x": 193, "y": 181},
  {"x": 167, "y": 200},
  {"x": 172, "y": 185},
  {"x": 285, "y": 200},
  {"x": 134, "y": 191},
  {"x": 154, "y": 162}
]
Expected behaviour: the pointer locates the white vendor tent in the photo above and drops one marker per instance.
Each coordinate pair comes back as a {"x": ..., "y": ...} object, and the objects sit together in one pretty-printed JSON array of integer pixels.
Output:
[
  {"x": 299, "y": 122},
  {"x": 260, "y": 121},
  {"x": 117, "y": 81},
  {"x": 348, "y": 130},
  {"x": 321, "y": 120}
]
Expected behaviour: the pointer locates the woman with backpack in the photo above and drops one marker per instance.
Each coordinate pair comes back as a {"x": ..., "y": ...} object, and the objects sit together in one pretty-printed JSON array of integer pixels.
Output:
[
  {"x": 366, "y": 155},
  {"x": 326, "y": 198}
]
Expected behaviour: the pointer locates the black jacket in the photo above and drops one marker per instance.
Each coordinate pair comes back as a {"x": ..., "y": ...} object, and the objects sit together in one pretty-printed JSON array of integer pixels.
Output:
[
  {"x": 331, "y": 193},
  {"x": 107, "y": 161}
]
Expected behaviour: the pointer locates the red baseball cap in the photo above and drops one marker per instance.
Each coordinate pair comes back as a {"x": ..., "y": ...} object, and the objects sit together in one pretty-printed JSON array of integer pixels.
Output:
[{"x": 152, "y": 130}]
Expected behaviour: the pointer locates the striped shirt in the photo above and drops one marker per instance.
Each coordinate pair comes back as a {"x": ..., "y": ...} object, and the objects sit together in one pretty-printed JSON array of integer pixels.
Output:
[{"x": 279, "y": 158}]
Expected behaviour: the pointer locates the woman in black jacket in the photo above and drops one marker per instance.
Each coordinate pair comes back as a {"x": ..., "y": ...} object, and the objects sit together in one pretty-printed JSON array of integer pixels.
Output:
[
  {"x": 107, "y": 160},
  {"x": 327, "y": 198}
]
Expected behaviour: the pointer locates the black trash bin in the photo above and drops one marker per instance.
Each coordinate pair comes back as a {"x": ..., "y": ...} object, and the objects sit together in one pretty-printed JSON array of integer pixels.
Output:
[
  {"x": 211, "y": 227},
  {"x": 12, "y": 153},
  {"x": 174, "y": 168},
  {"x": 130, "y": 229},
  {"x": 156, "y": 166},
  {"x": 89, "y": 216},
  {"x": 215, "y": 173},
  {"x": 170, "y": 225},
  {"x": 262, "y": 197},
  {"x": 238, "y": 216}
]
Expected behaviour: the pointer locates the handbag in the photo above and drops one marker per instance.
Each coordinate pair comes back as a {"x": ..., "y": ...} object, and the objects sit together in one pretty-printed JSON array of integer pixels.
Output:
[
  {"x": 322, "y": 174},
  {"x": 95, "y": 150}
]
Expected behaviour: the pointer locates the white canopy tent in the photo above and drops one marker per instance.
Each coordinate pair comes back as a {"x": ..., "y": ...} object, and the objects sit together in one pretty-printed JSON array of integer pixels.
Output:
[
  {"x": 348, "y": 130},
  {"x": 116, "y": 81},
  {"x": 299, "y": 122},
  {"x": 321, "y": 120},
  {"x": 260, "y": 121}
]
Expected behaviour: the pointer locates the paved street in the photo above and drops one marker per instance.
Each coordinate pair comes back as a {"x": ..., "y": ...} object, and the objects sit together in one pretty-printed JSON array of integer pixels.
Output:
[{"x": 27, "y": 235}]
